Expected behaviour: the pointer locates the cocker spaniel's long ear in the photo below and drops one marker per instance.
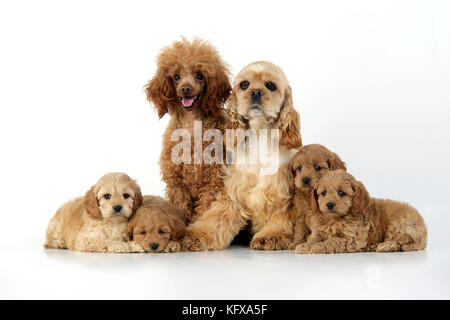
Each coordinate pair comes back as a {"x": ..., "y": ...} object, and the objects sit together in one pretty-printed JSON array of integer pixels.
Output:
[
  {"x": 217, "y": 90},
  {"x": 335, "y": 162},
  {"x": 361, "y": 199},
  {"x": 90, "y": 204},
  {"x": 137, "y": 197},
  {"x": 160, "y": 92},
  {"x": 177, "y": 229},
  {"x": 289, "y": 122}
]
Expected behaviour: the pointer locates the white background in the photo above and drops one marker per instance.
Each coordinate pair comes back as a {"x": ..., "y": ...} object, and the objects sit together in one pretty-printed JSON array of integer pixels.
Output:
[{"x": 370, "y": 79}]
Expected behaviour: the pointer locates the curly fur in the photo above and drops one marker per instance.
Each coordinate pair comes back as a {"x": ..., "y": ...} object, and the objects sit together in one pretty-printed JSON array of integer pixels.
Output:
[
  {"x": 357, "y": 222},
  {"x": 192, "y": 187},
  {"x": 250, "y": 197},
  {"x": 90, "y": 223}
]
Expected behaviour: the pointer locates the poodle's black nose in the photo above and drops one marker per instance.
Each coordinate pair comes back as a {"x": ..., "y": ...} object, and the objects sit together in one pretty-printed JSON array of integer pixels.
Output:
[
  {"x": 256, "y": 94},
  {"x": 186, "y": 90},
  {"x": 306, "y": 180},
  {"x": 331, "y": 205},
  {"x": 154, "y": 246},
  {"x": 117, "y": 208}
]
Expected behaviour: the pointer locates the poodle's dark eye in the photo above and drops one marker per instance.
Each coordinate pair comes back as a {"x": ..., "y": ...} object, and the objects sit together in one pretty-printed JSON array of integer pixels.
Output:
[
  {"x": 126, "y": 195},
  {"x": 244, "y": 85},
  {"x": 176, "y": 77},
  {"x": 317, "y": 168},
  {"x": 143, "y": 232},
  {"x": 107, "y": 196},
  {"x": 271, "y": 86},
  {"x": 324, "y": 193},
  {"x": 341, "y": 193},
  {"x": 199, "y": 76},
  {"x": 299, "y": 168}
]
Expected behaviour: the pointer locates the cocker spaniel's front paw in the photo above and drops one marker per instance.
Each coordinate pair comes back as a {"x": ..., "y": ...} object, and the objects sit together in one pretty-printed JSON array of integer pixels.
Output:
[
  {"x": 172, "y": 246},
  {"x": 193, "y": 241},
  {"x": 270, "y": 242},
  {"x": 118, "y": 247}
]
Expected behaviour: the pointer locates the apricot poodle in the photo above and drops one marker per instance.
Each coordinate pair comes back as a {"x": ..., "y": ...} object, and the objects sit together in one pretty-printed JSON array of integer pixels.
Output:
[
  {"x": 309, "y": 164},
  {"x": 261, "y": 99},
  {"x": 191, "y": 84},
  {"x": 346, "y": 219},
  {"x": 157, "y": 225},
  {"x": 97, "y": 222}
]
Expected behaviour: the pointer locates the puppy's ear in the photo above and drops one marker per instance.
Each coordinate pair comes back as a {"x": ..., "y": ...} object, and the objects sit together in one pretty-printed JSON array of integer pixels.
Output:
[
  {"x": 216, "y": 92},
  {"x": 177, "y": 229},
  {"x": 335, "y": 162},
  {"x": 289, "y": 122},
  {"x": 361, "y": 199},
  {"x": 130, "y": 229},
  {"x": 314, "y": 200},
  {"x": 90, "y": 204},
  {"x": 160, "y": 92},
  {"x": 137, "y": 197}
]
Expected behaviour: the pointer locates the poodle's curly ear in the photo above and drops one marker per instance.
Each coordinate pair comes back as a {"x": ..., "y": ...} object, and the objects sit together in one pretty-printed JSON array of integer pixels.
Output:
[
  {"x": 160, "y": 92},
  {"x": 177, "y": 229},
  {"x": 234, "y": 121},
  {"x": 137, "y": 197},
  {"x": 289, "y": 122},
  {"x": 361, "y": 199},
  {"x": 335, "y": 162},
  {"x": 90, "y": 204},
  {"x": 217, "y": 90}
]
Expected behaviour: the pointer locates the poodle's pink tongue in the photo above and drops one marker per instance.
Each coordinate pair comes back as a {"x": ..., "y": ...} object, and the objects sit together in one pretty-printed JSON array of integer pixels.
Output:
[{"x": 187, "y": 102}]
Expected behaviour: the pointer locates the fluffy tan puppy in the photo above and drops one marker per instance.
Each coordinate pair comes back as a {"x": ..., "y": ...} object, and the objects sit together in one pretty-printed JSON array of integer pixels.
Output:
[
  {"x": 157, "y": 225},
  {"x": 308, "y": 165},
  {"x": 261, "y": 99},
  {"x": 97, "y": 222},
  {"x": 346, "y": 219}
]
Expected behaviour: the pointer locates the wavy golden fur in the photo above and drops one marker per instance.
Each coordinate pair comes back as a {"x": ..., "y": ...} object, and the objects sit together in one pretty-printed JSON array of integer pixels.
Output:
[
  {"x": 346, "y": 219},
  {"x": 261, "y": 99},
  {"x": 97, "y": 222},
  {"x": 191, "y": 84}
]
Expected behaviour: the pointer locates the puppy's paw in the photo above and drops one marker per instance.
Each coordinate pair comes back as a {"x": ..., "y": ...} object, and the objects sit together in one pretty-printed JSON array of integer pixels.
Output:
[
  {"x": 135, "y": 247},
  {"x": 387, "y": 246},
  {"x": 303, "y": 248},
  {"x": 193, "y": 241},
  {"x": 118, "y": 247},
  {"x": 319, "y": 248},
  {"x": 273, "y": 242},
  {"x": 172, "y": 246}
]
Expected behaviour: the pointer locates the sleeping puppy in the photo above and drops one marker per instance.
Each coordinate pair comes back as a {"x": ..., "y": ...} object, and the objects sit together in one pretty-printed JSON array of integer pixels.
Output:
[
  {"x": 157, "y": 225},
  {"x": 346, "y": 219},
  {"x": 308, "y": 165},
  {"x": 97, "y": 222}
]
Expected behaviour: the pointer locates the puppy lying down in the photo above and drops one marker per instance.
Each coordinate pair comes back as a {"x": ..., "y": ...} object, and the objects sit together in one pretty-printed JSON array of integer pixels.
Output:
[
  {"x": 97, "y": 222},
  {"x": 157, "y": 225},
  {"x": 345, "y": 218}
]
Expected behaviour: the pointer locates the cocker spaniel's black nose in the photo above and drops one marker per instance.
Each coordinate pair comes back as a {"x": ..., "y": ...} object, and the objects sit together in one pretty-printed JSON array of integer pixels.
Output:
[
  {"x": 331, "y": 205},
  {"x": 256, "y": 94},
  {"x": 117, "y": 208},
  {"x": 306, "y": 180},
  {"x": 154, "y": 246}
]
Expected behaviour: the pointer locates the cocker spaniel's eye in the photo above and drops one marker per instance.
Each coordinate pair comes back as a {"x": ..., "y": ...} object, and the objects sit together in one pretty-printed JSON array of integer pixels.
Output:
[
  {"x": 126, "y": 195},
  {"x": 107, "y": 196},
  {"x": 271, "y": 86},
  {"x": 143, "y": 232},
  {"x": 176, "y": 77},
  {"x": 341, "y": 193},
  {"x": 199, "y": 76},
  {"x": 323, "y": 193},
  {"x": 299, "y": 168},
  {"x": 317, "y": 168},
  {"x": 244, "y": 85}
]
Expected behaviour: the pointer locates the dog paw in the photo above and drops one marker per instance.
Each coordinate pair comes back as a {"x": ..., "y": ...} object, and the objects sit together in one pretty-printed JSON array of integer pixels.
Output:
[
  {"x": 135, "y": 247},
  {"x": 118, "y": 247},
  {"x": 303, "y": 248},
  {"x": 172, "y": 246},
  {"x": 194, "y": 242},
  {"x": 387, "y": 246},
  {"x": 276, "y": 242}
]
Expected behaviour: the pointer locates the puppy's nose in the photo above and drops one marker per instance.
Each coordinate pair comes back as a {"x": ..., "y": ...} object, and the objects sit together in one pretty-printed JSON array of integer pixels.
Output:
[
  {"x": 154, "y": 246},
  {"x": 331, "y": 205},
  {"x": 306, "y": 180},
  {"x": 186, "y": 90},
  {"x": 117, "y": 208},
  {"x": 256, "y": 94}
]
